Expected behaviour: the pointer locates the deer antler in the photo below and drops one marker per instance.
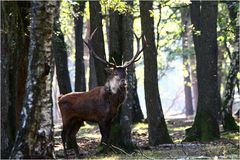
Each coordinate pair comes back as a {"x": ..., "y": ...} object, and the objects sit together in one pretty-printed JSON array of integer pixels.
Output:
[
  {"x": 136, "y": 58},
  {"x": 91, "y": 50}
]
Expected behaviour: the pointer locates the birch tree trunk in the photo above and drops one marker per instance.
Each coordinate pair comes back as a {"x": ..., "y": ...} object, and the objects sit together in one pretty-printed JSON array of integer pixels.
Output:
[{"x": 35, "y": 135}]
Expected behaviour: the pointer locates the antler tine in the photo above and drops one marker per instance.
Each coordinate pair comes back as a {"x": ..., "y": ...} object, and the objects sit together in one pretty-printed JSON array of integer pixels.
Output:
[
  {"x": 91, "y": 50},
  {"x": 135, "y": 57}
]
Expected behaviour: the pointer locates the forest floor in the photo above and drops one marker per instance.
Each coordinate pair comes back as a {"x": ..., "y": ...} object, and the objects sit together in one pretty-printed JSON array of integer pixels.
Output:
[{"x": 89, "y": 136}]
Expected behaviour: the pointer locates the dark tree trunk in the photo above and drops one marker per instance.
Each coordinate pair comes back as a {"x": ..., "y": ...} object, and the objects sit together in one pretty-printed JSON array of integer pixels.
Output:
[
  {"x": 60, "y": 56},
  {"x": 127, "y": 54},
  {"x": 10, "y": 22},
  {"x": 98, "y": 41},
  {"x": 185, "y": 15},
  {"x": 115, "y": 37},
  {"x": 35, "y": 136},
  {"x": 15, "y": 41},
  {"x": 80, "y": 80},
  {"x": 115, "y": 56},
  {"x": 23, "y": 35},
  {"x": 121, "y": 48},
  {"x": 92, "y": 73},
  {"x": 205, "y": 126},
  {"x": 137, "y": 115},
  {"x": 6, "y": 139},
  {"x": 229, "y": 123},
  {"x": 157, "y": 128},
  {"x": 116, "y": 49}
]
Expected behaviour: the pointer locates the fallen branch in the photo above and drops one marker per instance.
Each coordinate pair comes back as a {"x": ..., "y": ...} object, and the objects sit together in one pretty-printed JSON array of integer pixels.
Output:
[
  {"x": 120, "y": 149},
  {"x": 143, "y": 153}
]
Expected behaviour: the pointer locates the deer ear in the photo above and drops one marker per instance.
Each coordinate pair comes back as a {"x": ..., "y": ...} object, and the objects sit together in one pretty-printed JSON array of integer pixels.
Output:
[{"x": 109, "y": 70}]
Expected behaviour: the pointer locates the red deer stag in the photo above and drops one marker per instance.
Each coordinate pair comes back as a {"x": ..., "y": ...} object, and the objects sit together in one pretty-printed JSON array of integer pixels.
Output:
[{"x": 99, "y": 105}]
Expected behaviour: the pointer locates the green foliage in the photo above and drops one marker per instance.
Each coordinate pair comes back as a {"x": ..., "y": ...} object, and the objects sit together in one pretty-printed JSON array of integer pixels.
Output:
[
  {"x": 226, "y": 41},
  {"x": 116, "y": 5},
  {"x": 67, "y": 25}
]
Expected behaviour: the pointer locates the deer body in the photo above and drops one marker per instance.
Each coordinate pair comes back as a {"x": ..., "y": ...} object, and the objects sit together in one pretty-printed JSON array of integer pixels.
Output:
[{"x": 100, "y": 104}]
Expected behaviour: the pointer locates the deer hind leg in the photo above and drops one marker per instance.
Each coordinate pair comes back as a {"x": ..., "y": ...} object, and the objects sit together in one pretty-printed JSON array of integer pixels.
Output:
[
  {"x": 67, "y": 125},
  {"x": 72, "y": 135},
  {"x": 64, "y": 134}
]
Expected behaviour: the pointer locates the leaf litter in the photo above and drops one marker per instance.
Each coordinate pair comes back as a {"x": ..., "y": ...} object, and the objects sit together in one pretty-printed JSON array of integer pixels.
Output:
[{"x": 88, "y": 139}]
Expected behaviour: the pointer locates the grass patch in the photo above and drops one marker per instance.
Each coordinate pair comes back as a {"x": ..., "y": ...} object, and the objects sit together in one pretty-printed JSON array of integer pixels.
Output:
[
  {"x": 180, "y": 128},
  {"x": 231, "y": 135},
  {"x": 89, "y": 131},
  {"x": 140, "y": 126}
]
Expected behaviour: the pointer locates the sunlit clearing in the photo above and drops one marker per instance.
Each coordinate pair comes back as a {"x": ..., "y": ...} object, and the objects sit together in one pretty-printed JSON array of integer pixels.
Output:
[
  {"x": 181, "y": 128},
  {"x": 89, "y": 131},
  {"x": 231, "y": 136}
]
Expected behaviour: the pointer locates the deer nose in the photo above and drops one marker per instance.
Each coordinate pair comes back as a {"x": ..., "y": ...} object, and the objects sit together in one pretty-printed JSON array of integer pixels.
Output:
[{"x": 123, "y": 82}]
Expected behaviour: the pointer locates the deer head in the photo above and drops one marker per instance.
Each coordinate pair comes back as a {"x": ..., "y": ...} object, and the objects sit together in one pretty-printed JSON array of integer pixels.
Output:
[{"x": 117, "y": 74}]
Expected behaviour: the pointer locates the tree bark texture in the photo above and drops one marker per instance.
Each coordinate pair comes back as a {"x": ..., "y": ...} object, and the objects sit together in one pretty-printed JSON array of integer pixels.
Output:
[
  {"x": 60, "y": 56},
  {"x": 15, "y": 41},
  {"x": 5, "y": 139},
  {"x": 98, "y": 41},
  {"x": 185, "y": 15},
  {"x": 127, "y": 54},
  {"x": 6, "y": 142},
  {"x": 229, "y": 123},
  {"x": 157, "y": 128},
  {"x": 137, "y": 114},
  {"x": 204, "y": 19},
  {"x": 80, "y": 79},
  {"x": 35, "y": 136},
  {"x": 115, "y": 56},
  {"x": 121, "y": 49},
  {"x": 115, "y": 37}
]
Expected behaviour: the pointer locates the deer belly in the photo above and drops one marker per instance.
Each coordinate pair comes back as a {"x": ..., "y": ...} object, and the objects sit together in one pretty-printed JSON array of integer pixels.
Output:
[{"x": 91, "y": 113}]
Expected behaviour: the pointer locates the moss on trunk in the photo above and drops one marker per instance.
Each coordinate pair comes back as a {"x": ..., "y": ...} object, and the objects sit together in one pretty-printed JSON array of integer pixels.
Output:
[
  {"x": 229, "y": 123},
  {"x": 116, "y": 139},
  {"x": 205, "y": 128}
]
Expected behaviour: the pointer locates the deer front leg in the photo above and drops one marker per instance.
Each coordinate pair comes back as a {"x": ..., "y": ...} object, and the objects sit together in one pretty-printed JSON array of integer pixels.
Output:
[{"x": 105, "y": 127}]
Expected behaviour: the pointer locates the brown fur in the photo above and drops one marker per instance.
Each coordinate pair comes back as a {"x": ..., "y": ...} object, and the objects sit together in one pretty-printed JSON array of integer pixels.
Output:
[{"x": 98, "y": 105}]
